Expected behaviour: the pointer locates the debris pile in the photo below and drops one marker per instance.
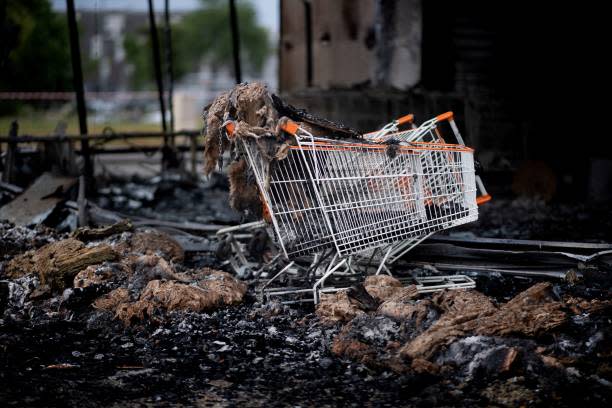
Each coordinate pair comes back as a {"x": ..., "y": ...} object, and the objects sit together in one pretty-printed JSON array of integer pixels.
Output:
[
  {"x": 135, "y": 309},
  {"x": 171, "y": 199},
  {"x": 466, "y": 335},
  {"x": 17, "y": 239},
  {"x": 56, "y": 264},
  {"x": 135, "y": 272},
  {"x": 205, "y": 290}
]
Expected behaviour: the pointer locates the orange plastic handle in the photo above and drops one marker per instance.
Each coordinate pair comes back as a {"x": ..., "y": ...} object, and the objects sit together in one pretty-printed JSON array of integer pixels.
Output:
[
  {"x": 483, "y": 199},
  {"x": 445, "y": 116},
  {"x": 290, "y": 127},
  {"x": 230, "y": 128},
  {"x": 405, "y": 119}
]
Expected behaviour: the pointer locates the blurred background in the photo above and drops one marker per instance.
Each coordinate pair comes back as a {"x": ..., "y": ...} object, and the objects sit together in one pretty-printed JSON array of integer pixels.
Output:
[
  {"x": 117, "y": 62},
  {"x": 509, "y": 71}
]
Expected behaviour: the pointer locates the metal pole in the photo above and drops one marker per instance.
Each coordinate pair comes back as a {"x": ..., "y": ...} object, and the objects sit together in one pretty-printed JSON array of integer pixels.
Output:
[
  {"x": 82, "y": 203},
  {"x": 235, "y": 41},
  {"x": 169, "y": 65},
  {"x": 308, "y": 33},
  {"x": 77, "y": 78},
  {"x": 8, "y": 175},
  {"x": 158, "y": 79}
]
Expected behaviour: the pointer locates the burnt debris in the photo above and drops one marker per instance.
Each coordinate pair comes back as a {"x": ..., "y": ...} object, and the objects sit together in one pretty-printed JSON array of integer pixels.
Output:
[
  {"x": 157, "y": 321},
  {"x": 159, "y": 299},
  {"x": 259, "y": 115}
]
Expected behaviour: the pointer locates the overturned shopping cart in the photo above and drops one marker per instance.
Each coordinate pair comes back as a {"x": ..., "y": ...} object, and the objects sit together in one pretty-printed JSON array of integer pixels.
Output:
[{"x": 352, "y": 198}]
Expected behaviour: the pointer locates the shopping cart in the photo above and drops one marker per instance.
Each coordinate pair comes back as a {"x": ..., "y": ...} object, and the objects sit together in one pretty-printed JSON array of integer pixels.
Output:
[
  {"x": 353, "y": 197},
  {"x": 428, "y": 132}
]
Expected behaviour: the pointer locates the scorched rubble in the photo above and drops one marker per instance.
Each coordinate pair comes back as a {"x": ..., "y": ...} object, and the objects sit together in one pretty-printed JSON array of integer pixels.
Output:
[
  {"x": 123, "y": 315},
  {"x": 140, "y": 264}
]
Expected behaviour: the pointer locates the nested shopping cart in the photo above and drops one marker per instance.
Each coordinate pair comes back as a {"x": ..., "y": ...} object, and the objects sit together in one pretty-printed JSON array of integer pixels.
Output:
[
  {"x": 428, "y": 132},
  {"x": 352, "y": 197}
]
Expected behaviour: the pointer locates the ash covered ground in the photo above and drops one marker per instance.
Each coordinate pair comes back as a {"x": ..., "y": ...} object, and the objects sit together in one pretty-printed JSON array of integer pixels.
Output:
[{"x": 116, "y": 333}]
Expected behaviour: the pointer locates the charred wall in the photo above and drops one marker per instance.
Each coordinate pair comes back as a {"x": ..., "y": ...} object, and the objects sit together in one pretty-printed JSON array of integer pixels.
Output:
[
  {"x": 511, "y": 71},
  {"x": 351, "y": 42}
]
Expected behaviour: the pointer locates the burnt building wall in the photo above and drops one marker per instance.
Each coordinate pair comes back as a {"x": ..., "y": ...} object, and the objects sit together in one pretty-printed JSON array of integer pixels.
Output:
[
  {"x": 509, "y": 70},
  {"x": 343, "y": 43}
]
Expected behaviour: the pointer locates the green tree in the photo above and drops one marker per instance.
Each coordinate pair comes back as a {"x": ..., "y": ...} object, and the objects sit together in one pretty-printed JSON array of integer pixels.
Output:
[
  {"x": 202, "y": 36},
  {"x": 34, "y": 47}
]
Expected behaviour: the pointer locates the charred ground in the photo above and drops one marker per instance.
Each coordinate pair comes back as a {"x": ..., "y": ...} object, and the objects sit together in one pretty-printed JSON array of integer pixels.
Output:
[{"x": 57, "y": 349}]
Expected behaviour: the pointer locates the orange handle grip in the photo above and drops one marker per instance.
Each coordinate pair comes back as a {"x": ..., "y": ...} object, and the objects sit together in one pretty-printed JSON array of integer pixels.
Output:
[
  {"x": 405, "y": 119},
  {"x": 289, "y": 126},
  {"x": 483, "y": 199},
  {"x": 445, "y": 116},
  {"x": 230, "y": 128}
]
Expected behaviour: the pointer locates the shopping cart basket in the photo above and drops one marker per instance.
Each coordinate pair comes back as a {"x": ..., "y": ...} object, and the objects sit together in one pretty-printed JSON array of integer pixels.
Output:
[
  {"x": 428, "y": 132},
  {"x": 356, "y": 196}
]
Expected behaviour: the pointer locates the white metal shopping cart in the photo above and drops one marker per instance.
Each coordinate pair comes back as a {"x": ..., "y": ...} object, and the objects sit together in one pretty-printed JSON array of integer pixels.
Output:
[
  {"x": 428, "y": 132},
  {"x": 390, "y": 190}
]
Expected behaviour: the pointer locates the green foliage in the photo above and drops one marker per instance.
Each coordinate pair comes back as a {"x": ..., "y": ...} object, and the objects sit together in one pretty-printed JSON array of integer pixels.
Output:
[
  {"x": 39, "y": 53},
  {"x": 138, "y": 54},
  {"x": 202, "y": 36}
]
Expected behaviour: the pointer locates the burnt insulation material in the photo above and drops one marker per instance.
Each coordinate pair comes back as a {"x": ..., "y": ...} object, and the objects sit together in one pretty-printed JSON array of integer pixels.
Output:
[
  {"x": 257, "y": 114},
  {"x": 244, "y": 194}
]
